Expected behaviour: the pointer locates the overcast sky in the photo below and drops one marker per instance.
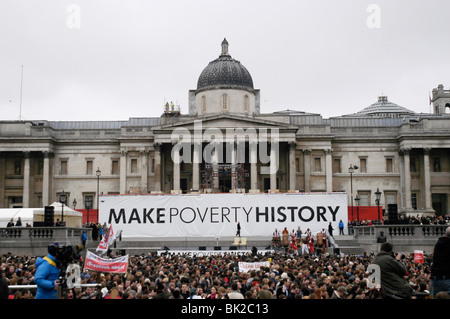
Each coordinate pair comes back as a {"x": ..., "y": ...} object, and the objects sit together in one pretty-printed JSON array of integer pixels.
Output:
[{"x": 112, "y": 60}]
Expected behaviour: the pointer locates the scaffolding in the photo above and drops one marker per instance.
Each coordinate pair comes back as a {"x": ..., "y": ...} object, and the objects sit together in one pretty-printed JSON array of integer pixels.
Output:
[
  {"x": 171, "y": 110},
  {"x": 213, "y": 172}
]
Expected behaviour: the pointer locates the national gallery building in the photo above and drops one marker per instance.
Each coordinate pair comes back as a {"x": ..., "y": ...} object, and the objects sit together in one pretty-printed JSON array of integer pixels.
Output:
[{"x": 384, "y": 146}]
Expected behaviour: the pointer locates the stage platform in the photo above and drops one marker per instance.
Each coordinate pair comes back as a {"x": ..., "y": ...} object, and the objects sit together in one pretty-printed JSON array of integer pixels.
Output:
[{"x": 138, "y": 246}]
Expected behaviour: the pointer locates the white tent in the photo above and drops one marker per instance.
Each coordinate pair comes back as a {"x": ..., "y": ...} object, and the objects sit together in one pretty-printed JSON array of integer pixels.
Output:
[
  {"x": 72, "y": 217},
  {"x": 25, "y": 214}
]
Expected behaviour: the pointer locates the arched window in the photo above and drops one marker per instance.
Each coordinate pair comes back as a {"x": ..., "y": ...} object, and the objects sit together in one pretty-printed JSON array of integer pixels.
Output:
[
  {"x": 203, "y": 104},
  {"x": 246, "y": 104},
  {"x": 225, "y": 102}
]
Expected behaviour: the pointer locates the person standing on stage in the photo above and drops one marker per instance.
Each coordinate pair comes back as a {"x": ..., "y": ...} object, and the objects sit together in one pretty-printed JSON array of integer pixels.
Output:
[{"x": 238, "y": 231}]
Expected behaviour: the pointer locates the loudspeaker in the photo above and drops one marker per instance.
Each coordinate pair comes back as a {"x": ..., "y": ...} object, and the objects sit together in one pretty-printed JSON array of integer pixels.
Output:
[
  {"x": 217, "y": 248},
  {"x": 337, "y": 251},
  {"x": 49, "y": 216},
  {"x": 233, "y": 248},
  {"x": 392, "y": 213},
  {"x": 202, "y": 248}
]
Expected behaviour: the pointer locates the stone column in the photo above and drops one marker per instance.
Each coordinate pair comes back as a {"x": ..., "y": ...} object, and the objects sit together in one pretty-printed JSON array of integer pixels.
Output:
[
  {"x": 176, "y": 168},
  {"x": 46, "y": 180},
  {"x": 273, "y": 167},
  {"x": 253, "y": 166},
  {"x": 215, "y": 163},
  {"x": 123, "y": 172},
  {"x": 427, "y": 179},
  {"x": 157, "y": 183},
  {"x": 144, "y": 176},
  {"x": 329, "y": 170},
  {"x": 406, "y": 152},
  {"x": 307, "y": 166},
  {"x": 292, "y": 168},
  {"x": 233, "y": 167},
  {"x": 26, "y": 181},
  {"x": 196, "y": 166}
]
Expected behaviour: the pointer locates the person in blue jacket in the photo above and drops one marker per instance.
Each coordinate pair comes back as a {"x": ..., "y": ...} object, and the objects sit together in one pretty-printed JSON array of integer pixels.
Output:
[
  {"x": 84, "y": 238},
  {"x": 341, "y": 227},
  {"x": 47, "y": 274}
]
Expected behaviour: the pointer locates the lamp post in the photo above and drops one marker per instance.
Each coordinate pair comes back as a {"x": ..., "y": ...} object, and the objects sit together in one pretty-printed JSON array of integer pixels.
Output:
[
  {"x": 98, "y": 173},
  {"x": 88, "y": 205},
  {"x": 377, "y": 201},
  {"x": 74, "y": 203},
  {"x": 357, "y": 199},
  {"x": 62, "y": 200},
  {"x": 351, "y": 170}
]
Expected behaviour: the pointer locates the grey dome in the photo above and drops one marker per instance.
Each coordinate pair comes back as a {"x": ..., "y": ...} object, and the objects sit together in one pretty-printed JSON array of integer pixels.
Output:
[
  {"x": 225, "y": 73},
  {"x": 385, "y": 108}
]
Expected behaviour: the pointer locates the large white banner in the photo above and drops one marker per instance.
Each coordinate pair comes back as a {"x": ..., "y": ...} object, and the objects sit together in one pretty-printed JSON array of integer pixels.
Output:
[{"x": 217, "y": 215}]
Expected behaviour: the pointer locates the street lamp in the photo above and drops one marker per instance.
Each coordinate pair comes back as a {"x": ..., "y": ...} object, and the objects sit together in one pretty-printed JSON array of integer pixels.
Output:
[
  {"x": 98, "y": 173},
  {"x": 62, "y": 200},
  {"x": 351, "y": 170},
  {"x": 88, "y": 205},
  {"x": 357, "y": 199},
  {"x": 377, "y": 201},
  {"x": 74, "y": 203}
]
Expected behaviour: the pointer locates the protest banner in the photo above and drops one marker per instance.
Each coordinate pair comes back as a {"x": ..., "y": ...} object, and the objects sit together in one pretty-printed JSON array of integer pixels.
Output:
[
  {"x": 418, "y": 256},
  {"x": 217, "y": 215},
  {"x": 116, "y": 265},
  {"x": 246, "y": 267}
]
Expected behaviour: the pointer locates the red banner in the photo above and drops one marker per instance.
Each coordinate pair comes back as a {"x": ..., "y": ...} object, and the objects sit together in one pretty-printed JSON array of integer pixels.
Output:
[
  {"x": 117, "y": 265},
  {"x": 364, "y": 213}
]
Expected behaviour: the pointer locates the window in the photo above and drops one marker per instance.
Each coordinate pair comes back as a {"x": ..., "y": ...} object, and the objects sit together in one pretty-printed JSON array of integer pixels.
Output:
[
  {"x": 414, "y": 201},
  {"x": 297, "y": 165},
  {"x": 115, "y": 167},
  {"x": 389, "y": 165},
  {"x": 391, "y": 198},
  {"x": 18, "y": 167},
  {"x": 337, "y": 165},
  {"x": 246, "y": 104},
  {"x": 365, "y": 198},
  {"x": 363, "y": 165},
  {"x": 134, "y": 165},
  {"x": 203, "y": 104},
  {"x": 89, "y": 165},
  {"x": 412, "y": 164},
  {"x": 224, "y": 102},
  {"x": 317, "y": 164},
  {"x": 89, "y": 197},
  {"x": 40, "y": 168},
  {"x": 63, "y": 167},
  {"x": 436, "y": 164}
]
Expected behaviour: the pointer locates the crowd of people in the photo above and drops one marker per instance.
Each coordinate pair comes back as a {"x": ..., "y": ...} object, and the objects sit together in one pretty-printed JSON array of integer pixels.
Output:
[
  {"x": 300, "y": 271},
  {"x": 187, "y": 276}
]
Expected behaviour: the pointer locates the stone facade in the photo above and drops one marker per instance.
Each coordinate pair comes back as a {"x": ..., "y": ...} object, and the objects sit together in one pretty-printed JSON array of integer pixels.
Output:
[{"x": 406, "y": 157}]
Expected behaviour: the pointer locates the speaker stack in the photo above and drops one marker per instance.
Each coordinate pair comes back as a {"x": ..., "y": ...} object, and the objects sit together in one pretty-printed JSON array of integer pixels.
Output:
[
  {"x": 49, "y": 216},
  {"x": 392, "y": 214}
]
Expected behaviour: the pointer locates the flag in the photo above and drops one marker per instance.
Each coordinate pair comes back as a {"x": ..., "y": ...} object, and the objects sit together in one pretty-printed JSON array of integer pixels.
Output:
[{"x": 108, "y": 239}]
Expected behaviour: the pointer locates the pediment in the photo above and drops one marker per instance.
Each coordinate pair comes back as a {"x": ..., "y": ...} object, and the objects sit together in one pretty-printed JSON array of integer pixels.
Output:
[{"x": 226, "y": 121}]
